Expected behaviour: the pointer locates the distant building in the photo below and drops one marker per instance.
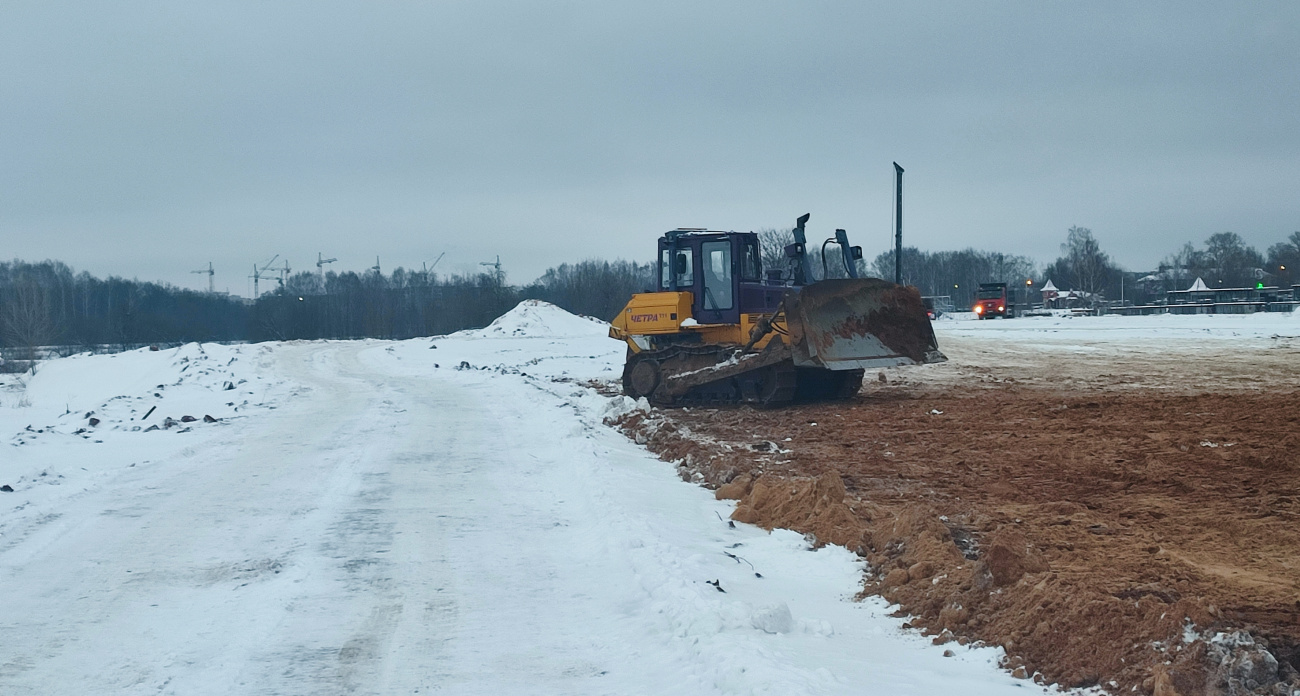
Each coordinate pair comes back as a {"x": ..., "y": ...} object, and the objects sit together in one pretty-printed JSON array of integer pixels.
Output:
[
  {"x": 1203, "y": 299},
  {"x": 1049, "y": 292},
  {"x": 1055, "y": 298}
]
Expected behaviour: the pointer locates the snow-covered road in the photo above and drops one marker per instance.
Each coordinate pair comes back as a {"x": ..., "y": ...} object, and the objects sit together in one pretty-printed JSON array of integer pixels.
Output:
[{"x": 378, "y": 525}]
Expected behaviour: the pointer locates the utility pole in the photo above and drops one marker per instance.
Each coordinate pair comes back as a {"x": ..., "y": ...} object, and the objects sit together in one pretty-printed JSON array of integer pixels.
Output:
[
  {"x": 320, "y": 267},
  {"x": 898, "y": 218},
  {"x": 211, "y": 288},
  {"x": 375, "y": 268}
]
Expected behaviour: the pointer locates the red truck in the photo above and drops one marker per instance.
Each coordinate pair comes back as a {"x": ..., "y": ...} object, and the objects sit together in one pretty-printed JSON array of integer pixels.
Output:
[{"x": 991, "y": 301}]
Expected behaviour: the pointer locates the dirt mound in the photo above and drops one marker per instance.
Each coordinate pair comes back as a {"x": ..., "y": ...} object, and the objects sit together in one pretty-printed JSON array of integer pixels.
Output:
[
  {"x": 811, "y": 505},
  {"x": 1110, "y": 541}
]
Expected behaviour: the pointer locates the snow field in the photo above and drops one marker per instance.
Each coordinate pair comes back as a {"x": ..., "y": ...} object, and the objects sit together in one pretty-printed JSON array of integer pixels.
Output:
[
  {"x": 50, "y": 449},
  {"x": 1170, "y": 328}
]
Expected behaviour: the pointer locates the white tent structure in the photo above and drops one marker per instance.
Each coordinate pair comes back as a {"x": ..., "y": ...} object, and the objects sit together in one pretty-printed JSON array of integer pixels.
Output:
[{"x": 1199, "y": 286}]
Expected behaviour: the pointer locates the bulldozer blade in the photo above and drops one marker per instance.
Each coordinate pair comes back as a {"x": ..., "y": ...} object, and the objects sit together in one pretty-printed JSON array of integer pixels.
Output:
[{"x": 859, "y": 323}]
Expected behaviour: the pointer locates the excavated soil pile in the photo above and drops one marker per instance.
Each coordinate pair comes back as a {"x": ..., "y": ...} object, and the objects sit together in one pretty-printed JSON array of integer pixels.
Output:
[{"x": 1135, "y": 537}]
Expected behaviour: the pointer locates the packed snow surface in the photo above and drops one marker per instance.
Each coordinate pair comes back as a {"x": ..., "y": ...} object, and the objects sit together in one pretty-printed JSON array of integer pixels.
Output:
[{"x": 443, "y": 515}]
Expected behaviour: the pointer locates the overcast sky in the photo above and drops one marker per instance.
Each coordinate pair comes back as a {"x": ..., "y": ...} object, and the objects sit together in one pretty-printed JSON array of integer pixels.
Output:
[{"x": 145, "y": 139}]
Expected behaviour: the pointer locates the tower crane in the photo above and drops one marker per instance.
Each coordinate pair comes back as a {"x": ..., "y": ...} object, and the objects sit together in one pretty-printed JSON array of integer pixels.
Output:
[
  {"x": 257, "y": 274},
  {"x": 496, "y": 268},
  {"x": 320, "y": 267},
  {"x": 428, "y": 267},
  {"x": 211, "y": 288},
  {"x": 284, "y": 274}
]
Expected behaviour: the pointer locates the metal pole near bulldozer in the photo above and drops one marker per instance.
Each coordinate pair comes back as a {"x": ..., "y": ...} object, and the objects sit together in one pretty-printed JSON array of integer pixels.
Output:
[{"x": 898, "y": 218}]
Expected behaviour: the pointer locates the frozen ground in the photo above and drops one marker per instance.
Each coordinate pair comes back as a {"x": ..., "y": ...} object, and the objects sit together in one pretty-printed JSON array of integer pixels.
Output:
[
  {"x": 444, "y": 515},
  {"x": 1242, "y": 352},
  {"x": 1156, "y": 326}
]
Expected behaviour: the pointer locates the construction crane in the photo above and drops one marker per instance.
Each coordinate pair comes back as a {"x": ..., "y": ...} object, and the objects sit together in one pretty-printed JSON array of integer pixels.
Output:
[
  {"x": 257, "y": 274},
  {"x": 320, "y": 267},
  {"x": 211, "y": 288},
  {"x": 428, "y": 268},
  {"x": 496, "y": 268},
  {"x": 284, "y": 274}
]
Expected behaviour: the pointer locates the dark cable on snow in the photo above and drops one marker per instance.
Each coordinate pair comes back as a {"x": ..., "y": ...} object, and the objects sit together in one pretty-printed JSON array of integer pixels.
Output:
[{"x": 739, "y": 559}]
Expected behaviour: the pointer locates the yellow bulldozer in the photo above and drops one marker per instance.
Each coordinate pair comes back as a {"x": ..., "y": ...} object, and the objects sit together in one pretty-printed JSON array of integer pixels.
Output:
[{"x": 720, "y": 329}]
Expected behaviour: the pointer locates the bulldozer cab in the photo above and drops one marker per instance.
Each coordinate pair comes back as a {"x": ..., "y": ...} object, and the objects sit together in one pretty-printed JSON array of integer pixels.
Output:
[{"x": 717, "y": 268}]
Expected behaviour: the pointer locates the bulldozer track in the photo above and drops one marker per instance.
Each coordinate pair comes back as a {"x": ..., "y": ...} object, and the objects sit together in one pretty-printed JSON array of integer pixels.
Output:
[
  {"x": 648, "y": 374},
  {"x": 772, "y": 381}
]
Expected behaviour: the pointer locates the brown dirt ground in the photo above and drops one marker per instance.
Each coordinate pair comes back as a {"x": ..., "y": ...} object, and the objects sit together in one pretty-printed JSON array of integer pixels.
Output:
[{"x": 1082, "y": 511}]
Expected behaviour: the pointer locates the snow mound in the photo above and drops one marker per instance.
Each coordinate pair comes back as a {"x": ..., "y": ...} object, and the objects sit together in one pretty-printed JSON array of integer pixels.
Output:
[
  {"x": 538, "y": 319},
  {"x": 774, "y": 618}
]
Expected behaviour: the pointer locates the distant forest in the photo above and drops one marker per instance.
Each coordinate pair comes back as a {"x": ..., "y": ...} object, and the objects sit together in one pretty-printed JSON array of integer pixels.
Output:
[{"x": 48, "y": 304}]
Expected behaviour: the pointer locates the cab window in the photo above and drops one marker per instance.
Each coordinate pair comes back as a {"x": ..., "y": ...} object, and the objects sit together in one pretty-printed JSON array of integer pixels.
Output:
[
  {"x": 750, "y": 266},
  {"x": 717, "y": 275},
  {"x": 685, "y": 269}
]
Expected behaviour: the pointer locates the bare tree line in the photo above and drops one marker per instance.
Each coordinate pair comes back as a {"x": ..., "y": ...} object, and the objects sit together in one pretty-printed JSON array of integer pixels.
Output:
[
  {"x": 406, "y": 304},
  {"x": 1225, "y": 260},
  {"x": 955, "y": 274},
  {"x": 46, "y": 303}
]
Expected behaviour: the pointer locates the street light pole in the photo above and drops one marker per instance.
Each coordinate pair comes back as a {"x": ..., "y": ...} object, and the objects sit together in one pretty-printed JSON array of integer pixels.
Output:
[{"x": 898, "y": 229}]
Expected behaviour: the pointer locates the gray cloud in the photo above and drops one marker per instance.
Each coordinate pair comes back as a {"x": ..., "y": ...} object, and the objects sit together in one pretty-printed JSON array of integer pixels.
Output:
[{"x": 147, "y": 138}]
